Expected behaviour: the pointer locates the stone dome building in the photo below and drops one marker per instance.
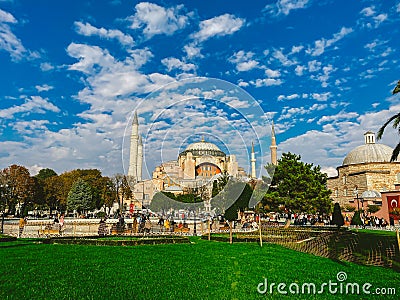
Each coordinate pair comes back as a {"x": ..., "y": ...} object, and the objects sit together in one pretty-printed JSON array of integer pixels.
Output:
[{"x": 365, "y": 170}]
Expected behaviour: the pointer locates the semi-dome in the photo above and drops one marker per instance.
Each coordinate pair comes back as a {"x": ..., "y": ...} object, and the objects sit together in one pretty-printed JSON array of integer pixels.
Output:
[
  {"x": 203, "y": 148},
  {"x": 369, "y": 152},
  {"x": 371, "y": 194}
]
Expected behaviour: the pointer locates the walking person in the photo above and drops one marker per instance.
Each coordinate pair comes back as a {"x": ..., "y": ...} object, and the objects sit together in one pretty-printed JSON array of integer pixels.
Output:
[{"x": 22, "y": 223}]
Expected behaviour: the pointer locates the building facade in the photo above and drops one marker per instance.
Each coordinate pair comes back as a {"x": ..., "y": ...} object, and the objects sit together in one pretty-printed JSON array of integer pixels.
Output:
[
  {"x": 365, "y": 173},
  {"x": 197, "y": 166}
]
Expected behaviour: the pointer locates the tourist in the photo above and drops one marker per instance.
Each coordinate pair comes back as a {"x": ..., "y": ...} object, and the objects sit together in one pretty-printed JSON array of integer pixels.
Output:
[
  {"x": 22, "y": 223},
  {"x": 166, "y": 225},
  {"x": 62, "y": 221},
  {"x": 102, "y": 231},
  {"x": 135, "y": 224},
  {"x": 147, "y": 225}
]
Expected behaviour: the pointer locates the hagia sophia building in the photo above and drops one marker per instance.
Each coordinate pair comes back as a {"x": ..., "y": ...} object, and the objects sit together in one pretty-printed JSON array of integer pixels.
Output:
[
  {"x": 366, "y": 176},
  {"x": 196, "y": 166}
]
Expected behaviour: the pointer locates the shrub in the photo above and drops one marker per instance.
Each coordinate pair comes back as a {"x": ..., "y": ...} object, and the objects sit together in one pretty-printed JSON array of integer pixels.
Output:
[{"x": 357, "y": 219}]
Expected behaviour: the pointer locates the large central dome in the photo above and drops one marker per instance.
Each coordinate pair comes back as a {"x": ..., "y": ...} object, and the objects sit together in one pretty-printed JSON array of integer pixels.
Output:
[
  {"x": 203, "y": 148},
  {"x": 368, "y": 153}
]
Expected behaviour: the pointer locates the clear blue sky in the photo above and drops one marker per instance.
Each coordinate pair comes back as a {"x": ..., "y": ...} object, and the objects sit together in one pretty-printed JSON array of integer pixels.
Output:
[{"x": 72, "y": 72}]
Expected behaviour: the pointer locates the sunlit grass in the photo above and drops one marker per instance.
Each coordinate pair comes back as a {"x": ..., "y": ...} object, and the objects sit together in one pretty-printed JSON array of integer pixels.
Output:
[{"x": 200, "y": 270}]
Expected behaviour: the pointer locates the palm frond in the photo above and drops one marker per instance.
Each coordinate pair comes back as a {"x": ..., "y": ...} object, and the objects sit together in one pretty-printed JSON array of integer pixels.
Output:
[
  {"x": 395, "y": 153},
  {"x": 397, "y": 88},
  {"x": 382, "y": 129}
]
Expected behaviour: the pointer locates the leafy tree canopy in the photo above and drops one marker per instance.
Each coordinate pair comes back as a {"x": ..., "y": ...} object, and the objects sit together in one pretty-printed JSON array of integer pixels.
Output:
[
  {"x": 80, "y": 196},
  {"x": 45, "y": 173},
  {"x": 298, "y": 187}
]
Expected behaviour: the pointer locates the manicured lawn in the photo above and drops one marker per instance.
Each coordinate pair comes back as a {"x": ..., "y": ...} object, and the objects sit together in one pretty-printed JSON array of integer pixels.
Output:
[{"x": 201, "y": 270}]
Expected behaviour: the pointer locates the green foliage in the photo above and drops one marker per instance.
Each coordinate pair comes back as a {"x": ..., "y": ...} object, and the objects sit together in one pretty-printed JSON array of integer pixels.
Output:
[
  {"x": 163, "y": 201},
  {"x": 45, "y": 173},
  {"x": 349, "y": 208},
  {"x": 373, "y": 208},
  {"x": 337, "y": 217},
  {"x": 356, "y": 220},
  {"x": 80, "y": 196},
  {"x": 298, "y": 187},
  {"x": 239, "y": 193},
  {"x": 396, "y": 122}
]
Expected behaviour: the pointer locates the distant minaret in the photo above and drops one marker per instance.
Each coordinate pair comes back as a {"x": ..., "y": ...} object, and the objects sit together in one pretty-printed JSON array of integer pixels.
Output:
[
  {"x": 273, "y": 147},
  {"x": 133, "y": 158},
  {"x": 253, "y": 162},
  {"x": 139, "y": 159}
]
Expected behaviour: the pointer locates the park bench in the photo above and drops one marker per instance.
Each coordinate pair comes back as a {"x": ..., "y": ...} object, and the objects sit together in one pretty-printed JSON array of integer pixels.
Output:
[
  {"x": 183, "y": 229},
  {"x": 51, "y": 231}
]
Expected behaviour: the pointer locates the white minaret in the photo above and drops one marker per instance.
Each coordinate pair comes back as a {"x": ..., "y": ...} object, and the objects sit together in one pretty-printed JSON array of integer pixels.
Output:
[
  {"x": 133, "y": 157},
  {"x": 253, "y": 162},
  {"x": 139, "y": 159},
  {"x": 273, "y": 147}
]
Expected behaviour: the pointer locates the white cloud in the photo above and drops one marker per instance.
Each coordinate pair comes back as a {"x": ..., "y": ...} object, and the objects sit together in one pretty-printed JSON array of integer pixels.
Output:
[
  {"x": 370, "y": 14},
  {"x": 289, "y": 97},
  {"x": 244, "y": 61},
  {"x": 299, "y": 70},
  {"x": 338, "y": 117},
  {"x": 89, "y": 57},
  {"x": 226, "y": 24},
  {"x": 324, "y": 76},
  {"x": 46, "y": 66},
  {"x": 314, "y": 66},
  {"x": 296, "y": 49},
  {"x": 322, "y": 44},
  {"x": 8, "y": 41},
  {"x": 272, "y": 73},
  {"x": 321, "y": 96},
  {"x": 282, "y": 58},
  {"x": 266, "y": 82},
  {"x": 44, "y": 88},
  {"x": 35, "y": 104},
  {"x": 89, "y": 30},
  {"x": 284, "y": 7},
  {"x": 192, "y": 50},
  {"x": 173, "y": 63},
  {"x": 368, "y": 11},
  {"x": 155, "y": 19},
  {"x": 140, "y": 56}
]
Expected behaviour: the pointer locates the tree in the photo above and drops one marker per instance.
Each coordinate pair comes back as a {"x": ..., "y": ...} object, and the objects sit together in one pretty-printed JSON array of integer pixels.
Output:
[
  {"x": 80, "y": 196},
  {"x": 337, "y": 217},
  {"x": 298, "y": 187},
  {"x": 373, "y": 208},
  {"x": 45, "y": 173},
  {"x": 356, "y": 220},
  {"x": 396, "y": 121},
  {"x": 107, "y": 193},
  {"x": 19, "y": 187},
  {"x": 239, "y": 193}
]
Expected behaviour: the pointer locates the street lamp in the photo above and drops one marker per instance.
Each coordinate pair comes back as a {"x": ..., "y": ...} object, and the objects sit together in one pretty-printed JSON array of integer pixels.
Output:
[
  {"x": 356, "y": 194},
  {"x": 5, "y": 204}
]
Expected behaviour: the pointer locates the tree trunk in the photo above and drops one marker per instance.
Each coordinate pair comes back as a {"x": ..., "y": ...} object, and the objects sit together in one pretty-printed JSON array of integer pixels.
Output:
[{"x": 230, "y": 232}]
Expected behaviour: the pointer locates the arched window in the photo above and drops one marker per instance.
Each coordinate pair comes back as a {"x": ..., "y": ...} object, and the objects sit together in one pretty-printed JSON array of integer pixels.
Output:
[
  {"x": 345, "y": 192},
  {"x": 344, "y": 179},
  {"x": 336, "y": 192}
]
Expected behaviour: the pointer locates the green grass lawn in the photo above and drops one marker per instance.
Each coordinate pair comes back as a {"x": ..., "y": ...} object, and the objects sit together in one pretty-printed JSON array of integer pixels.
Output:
[{"x": 201, "y": 270}]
